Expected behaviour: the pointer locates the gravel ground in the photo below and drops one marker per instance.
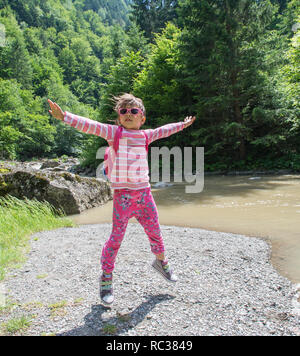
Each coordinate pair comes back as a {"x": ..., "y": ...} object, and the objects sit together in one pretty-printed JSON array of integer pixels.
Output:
[{"x": 227, "y": 286}]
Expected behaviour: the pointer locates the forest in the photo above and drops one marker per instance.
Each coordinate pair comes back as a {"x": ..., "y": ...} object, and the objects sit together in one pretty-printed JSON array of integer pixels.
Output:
[{"x": 234, "y": 64}]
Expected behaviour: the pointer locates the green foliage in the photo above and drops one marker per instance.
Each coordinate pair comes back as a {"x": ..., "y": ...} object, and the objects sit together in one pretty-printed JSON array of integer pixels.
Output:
[
  {"x": 291, "y": 70},
  {"x": 232, "y": 63},
  {"x": 111, "y": 12},
  {"x": 227, "y": 66},
  {"x": 38, "y": 136},
  {"x": 56, "y": 50},
  {"x": 152, "y": 15},
  {"x": 158, "y": 82},
  {"x": 23, "y": 134},
  {"x": 9, "y": 137},
  {"x": 120, "y": 80}
]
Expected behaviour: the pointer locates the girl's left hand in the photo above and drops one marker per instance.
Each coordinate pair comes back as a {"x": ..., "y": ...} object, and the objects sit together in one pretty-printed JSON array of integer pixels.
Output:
[
  {"x": 56, "y": 111},
  {"x": 189, "y": 120}
]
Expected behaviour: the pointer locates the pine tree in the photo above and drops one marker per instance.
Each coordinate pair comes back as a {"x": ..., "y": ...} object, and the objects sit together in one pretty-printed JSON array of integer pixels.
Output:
[
  {"x": 157, "y": 83},
  {"x": 224, "y": 71},
  {"x": 152, "y": 15},
  {"x": 111, "y": 11}
]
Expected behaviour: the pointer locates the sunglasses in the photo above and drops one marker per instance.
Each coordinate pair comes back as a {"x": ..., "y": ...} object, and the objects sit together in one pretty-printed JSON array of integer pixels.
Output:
[{"x": 133, "y": 111}]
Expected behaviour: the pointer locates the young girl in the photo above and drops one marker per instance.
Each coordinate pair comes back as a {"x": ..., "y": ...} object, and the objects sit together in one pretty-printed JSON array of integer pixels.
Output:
[{"x": 132, "y": 193}]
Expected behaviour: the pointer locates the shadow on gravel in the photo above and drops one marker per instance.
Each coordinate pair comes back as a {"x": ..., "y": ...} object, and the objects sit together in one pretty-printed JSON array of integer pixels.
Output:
[{"x": 121, "y": 323}]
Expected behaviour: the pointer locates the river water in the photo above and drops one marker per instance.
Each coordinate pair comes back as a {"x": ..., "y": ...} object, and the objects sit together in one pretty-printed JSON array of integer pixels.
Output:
[{"x": 259, "y": 206}]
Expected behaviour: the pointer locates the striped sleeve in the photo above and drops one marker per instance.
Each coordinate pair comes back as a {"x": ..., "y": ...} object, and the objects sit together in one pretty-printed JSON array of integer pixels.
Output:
[
  {"x": 164, "y": 131},
  {"x": 89, "y": 126}
]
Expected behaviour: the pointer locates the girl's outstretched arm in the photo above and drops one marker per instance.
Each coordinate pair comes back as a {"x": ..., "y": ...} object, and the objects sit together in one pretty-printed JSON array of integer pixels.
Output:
[
  {"x": 83, "y": 124},
  {"x": 169, "y": 129}
]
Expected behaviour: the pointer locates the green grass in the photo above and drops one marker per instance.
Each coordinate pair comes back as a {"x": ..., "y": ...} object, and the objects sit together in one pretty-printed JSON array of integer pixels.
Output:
[
  {"x": 18, "y": 220},
  {"x": 17, "y": 325},
  {"x": 109, "y": 329},
  {"x": 58, "y": 309}
]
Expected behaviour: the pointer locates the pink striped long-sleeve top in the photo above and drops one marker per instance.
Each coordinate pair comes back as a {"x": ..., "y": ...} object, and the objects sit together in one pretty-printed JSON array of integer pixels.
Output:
[{"x": 131, "y": 170}]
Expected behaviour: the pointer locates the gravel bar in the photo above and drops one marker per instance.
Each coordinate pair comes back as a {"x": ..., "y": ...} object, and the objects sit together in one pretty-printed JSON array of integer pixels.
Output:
[{"x": 226, "y": 286}]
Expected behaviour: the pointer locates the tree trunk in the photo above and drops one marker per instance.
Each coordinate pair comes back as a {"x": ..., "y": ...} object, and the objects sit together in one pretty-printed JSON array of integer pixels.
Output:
[
  {"x": 239, "y": 119},
  {"x": 233, "y": 78}
]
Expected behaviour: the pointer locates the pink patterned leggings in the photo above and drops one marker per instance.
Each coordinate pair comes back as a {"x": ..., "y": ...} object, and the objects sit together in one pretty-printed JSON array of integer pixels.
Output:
[{"x": 126, "y": 204}]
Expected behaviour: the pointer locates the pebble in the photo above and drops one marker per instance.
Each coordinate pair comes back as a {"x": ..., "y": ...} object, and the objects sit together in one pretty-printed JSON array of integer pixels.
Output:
[{"x": 227, "y": 286}]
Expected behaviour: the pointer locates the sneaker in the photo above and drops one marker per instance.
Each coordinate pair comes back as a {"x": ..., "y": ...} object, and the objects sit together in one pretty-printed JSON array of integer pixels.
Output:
[
  {"x": 106, "y": 289},
  {"x": 164, "y": 270}
]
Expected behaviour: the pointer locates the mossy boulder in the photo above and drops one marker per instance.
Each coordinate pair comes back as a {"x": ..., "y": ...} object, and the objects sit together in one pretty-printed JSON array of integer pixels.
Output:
[{"x": 63, "y": 190}]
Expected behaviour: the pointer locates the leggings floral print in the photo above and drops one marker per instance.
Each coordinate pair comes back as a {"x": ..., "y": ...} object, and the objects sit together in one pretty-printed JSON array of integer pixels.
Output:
[{"x": 127, "y": 204}]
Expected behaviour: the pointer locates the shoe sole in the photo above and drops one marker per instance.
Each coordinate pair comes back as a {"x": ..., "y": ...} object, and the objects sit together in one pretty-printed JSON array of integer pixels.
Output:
[
  {"x": 159, "y": 272},
  {"x": 107, "y": 303}
]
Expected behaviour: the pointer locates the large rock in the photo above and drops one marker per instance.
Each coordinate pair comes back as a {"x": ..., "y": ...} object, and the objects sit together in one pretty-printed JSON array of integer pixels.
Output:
[{"x": 62, "y": 189}]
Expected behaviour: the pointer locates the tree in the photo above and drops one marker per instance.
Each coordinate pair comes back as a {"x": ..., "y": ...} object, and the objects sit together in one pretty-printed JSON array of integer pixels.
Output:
[
  {"x": 27, "y": 11},
  {"x": 68, "y": 63},
  {"x": 24, "y": 134},
  {"x": 111, "y": 11},
  {"x": 81, "y": 70},
  {"x": 152, "y": 15},
  {"x": 15, "y": 59},
  {"x": 290, "y": 79},
  {"x": 9, "y": 136},
  {"x": 119, "y": 80},
  {"x": 37, "y": 136},
  {"x": 44, "y": 69},
  {"x": 292, "y": 70},
  {"x": 136, "y": 40},
  {"x": 233, "y": 63},
  {"x": 224, "y": 69},
  {"x": 282, "y": 4},
  {"x": 157, "y": 84}
]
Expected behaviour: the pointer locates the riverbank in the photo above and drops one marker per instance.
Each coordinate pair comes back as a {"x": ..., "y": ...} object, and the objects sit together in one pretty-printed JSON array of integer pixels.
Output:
[
  {"x": 227, "y": 286},
  {"x": 72, "y": 164}
]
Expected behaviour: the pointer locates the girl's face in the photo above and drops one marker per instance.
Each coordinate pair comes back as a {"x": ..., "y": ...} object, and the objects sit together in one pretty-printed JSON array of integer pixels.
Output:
[{"x": 131, "y": 117}]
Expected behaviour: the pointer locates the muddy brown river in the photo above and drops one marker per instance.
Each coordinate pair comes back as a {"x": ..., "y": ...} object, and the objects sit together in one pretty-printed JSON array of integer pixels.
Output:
[{"x": 259, "y": 206}]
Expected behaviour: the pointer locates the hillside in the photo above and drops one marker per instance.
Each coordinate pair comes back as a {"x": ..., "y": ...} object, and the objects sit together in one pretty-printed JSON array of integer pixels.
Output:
[
  {"x": 54, "y": 49},
  {"x": 234, "y": 65}
]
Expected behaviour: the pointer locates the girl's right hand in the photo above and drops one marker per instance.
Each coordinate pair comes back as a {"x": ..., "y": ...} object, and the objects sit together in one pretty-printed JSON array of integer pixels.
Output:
[
  {"x": 189, "y": 120},
  {"x": 56, "y": 111}
]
